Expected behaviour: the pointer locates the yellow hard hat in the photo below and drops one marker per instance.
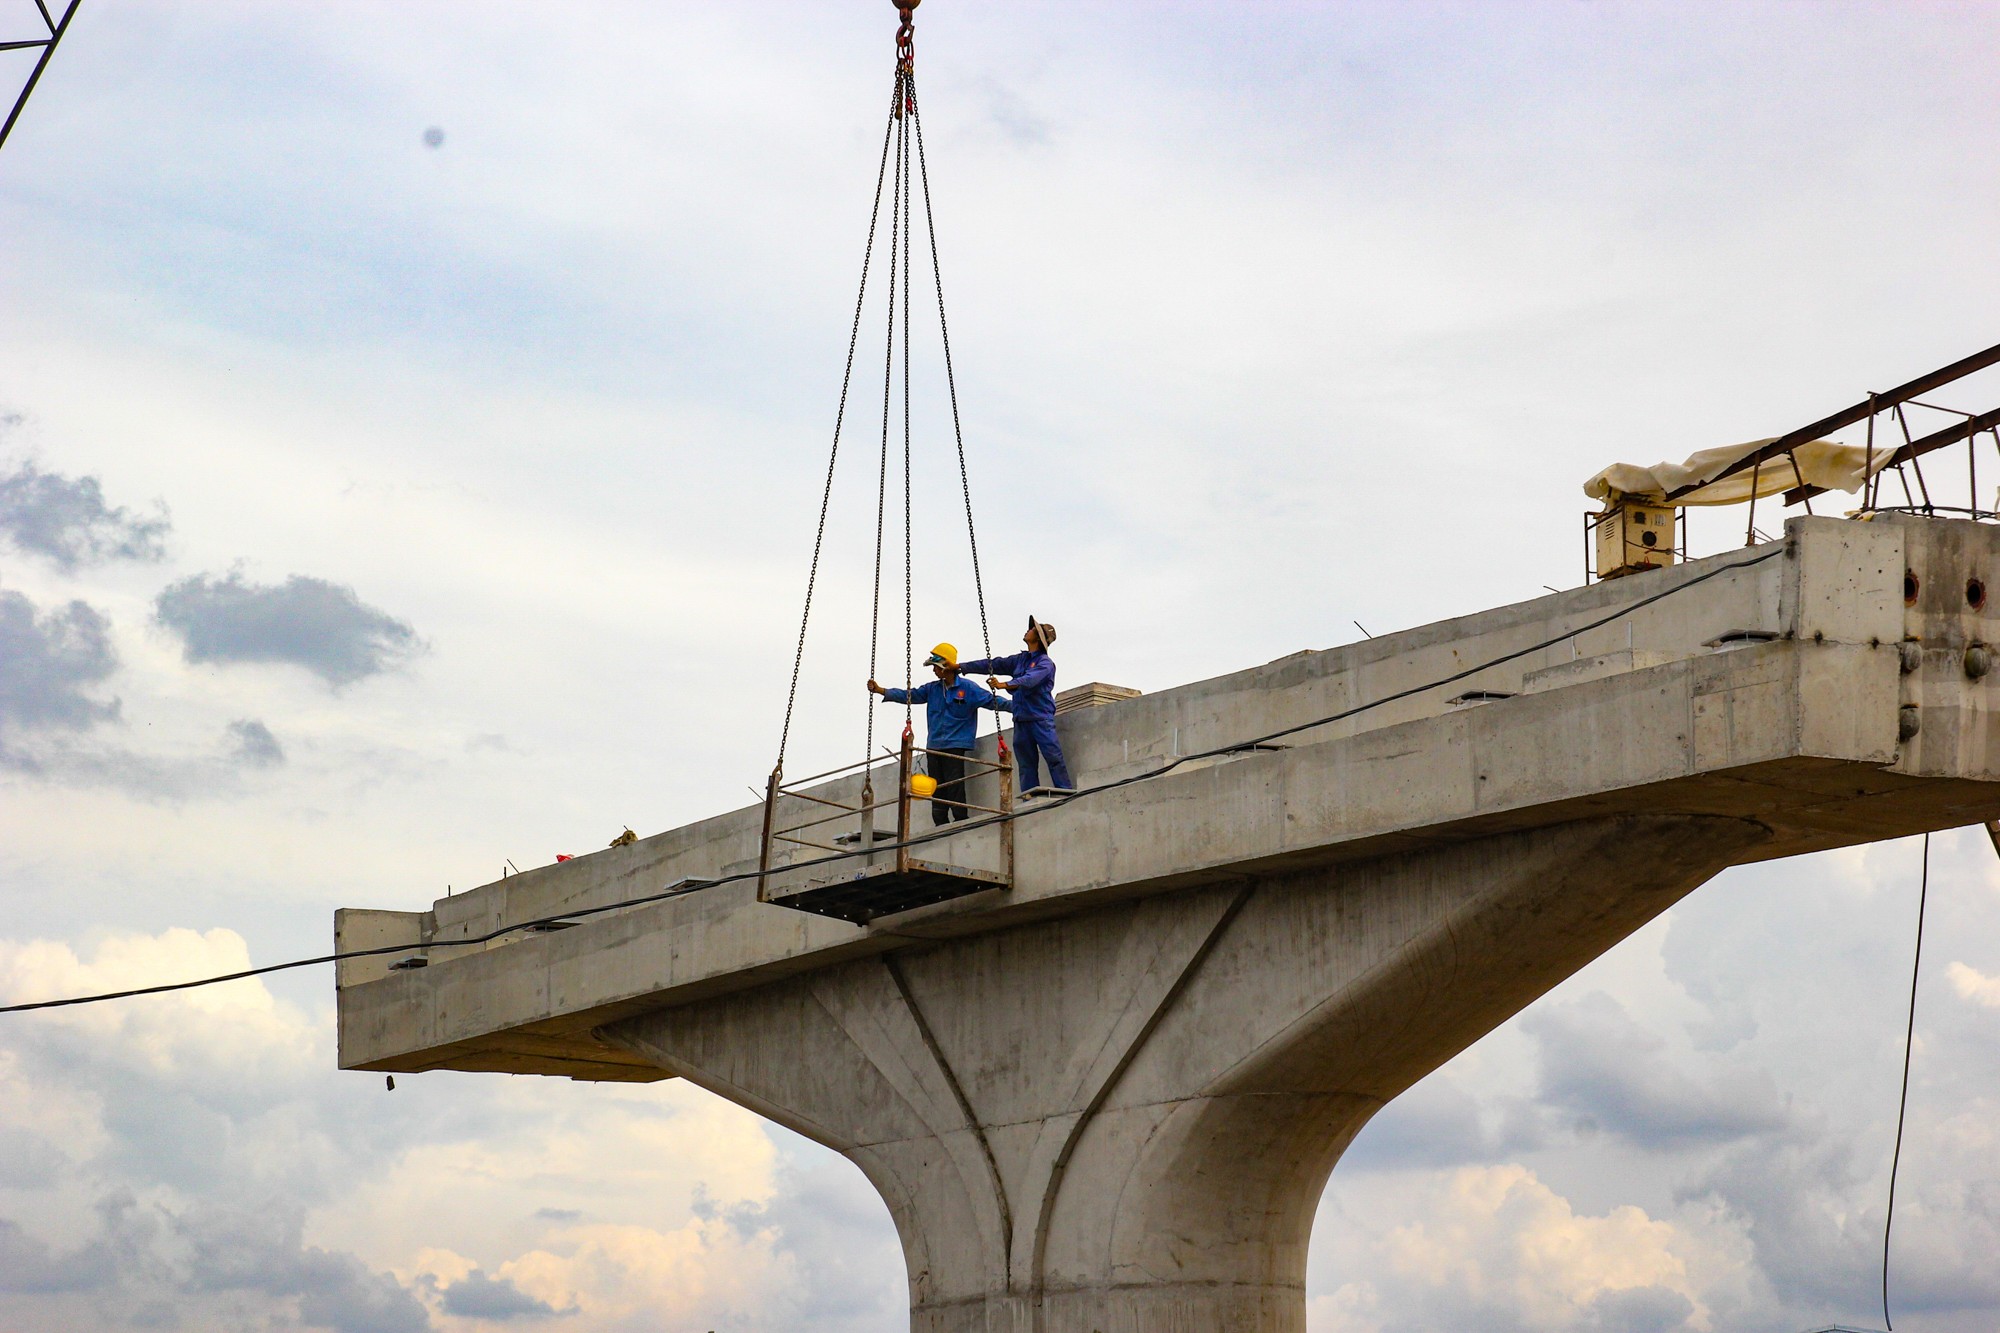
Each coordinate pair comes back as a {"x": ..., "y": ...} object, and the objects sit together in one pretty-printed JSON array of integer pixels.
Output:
[
  {"x": 923, "y": 786},
  {"x": 944, "y": 653}
]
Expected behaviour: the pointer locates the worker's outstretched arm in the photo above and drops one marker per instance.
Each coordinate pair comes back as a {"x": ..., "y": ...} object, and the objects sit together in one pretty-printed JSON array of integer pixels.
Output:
[
  {"x": 1001, "y": 666},
  {"x": 900, "y": 696},
  {"x": 1040, "y": 674},
  {"x": 982, "y": 699}
]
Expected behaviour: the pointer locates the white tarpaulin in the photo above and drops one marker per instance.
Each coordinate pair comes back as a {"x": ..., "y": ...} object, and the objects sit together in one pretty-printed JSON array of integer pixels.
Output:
[{"x": 1823, "y": 463}]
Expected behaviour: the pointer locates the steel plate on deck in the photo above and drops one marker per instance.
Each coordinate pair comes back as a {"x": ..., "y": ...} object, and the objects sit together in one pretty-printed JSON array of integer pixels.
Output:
[{"x": 881, "y": 890}]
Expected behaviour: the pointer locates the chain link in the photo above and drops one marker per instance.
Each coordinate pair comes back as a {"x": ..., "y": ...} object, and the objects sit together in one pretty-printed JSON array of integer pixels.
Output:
[
  {"x": 896, "y": 223},
  {"x": 840, "y": 417},
  {"x": 904, "y": 136},
  {"x": 950, "y": 379}
]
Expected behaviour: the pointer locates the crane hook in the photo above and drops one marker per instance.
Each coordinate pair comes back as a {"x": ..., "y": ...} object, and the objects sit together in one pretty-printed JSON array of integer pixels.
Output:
[{"x": 906, "y": 48}]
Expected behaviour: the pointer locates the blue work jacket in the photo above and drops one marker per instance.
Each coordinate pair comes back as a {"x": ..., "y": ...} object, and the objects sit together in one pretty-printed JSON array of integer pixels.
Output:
[
  {"x": 1034, "y": 677},
  {"x": 951, "y": 712}
]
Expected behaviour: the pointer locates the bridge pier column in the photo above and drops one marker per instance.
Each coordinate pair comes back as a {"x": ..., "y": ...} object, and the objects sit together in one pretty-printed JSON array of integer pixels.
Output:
[{"x": 1122, "y": 1121}]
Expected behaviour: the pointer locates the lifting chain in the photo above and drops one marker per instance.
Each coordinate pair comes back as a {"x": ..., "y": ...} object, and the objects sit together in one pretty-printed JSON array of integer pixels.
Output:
[
  {"x": 902, "y": 145},
  {"x": 906, "y": 58},
  {"x": 906, "y": 37}
]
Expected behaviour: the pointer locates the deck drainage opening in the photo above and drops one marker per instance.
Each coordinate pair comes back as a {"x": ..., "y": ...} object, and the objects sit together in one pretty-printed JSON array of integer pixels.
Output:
[
  {"x": 1909, "y": 588},
  {"x": 1477, "y": 697},
  {"x": 1975, "y": 594}
]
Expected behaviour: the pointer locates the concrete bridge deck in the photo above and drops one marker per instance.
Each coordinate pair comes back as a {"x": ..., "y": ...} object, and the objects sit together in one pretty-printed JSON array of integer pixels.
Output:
[
  {"x": 1684, "y": 706},
  {"x": 1219, "y": 974}
]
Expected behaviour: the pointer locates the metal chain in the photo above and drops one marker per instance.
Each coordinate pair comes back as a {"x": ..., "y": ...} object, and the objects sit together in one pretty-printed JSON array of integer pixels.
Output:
[
  {"x": 909, "y": 593},
  {"x": 951, "y": 382},
  {"x": 896, "y": 221},
  {"x": 903, "y": 127},
  {"x": 840, "y": 417}
]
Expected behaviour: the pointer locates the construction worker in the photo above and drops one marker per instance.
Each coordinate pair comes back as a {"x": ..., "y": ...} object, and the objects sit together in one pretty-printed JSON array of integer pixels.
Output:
[
  {"x": 951, "y": 723},
  {"x": 1033, "y": 687}
]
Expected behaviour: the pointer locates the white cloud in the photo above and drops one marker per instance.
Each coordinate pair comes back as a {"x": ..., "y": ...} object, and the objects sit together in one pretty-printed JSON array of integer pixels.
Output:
[
  {"x": 174, "y": 1035},
  {"x": 1497, "y": 1248},
  {"x": 710, "y": 1272},
  {"x": 1974, "y": 985},
  {"x": 198, "y": 1151}
]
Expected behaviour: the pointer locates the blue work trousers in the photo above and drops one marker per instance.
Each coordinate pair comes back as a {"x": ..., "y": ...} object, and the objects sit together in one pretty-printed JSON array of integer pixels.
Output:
[{"x": 1034, "y": 738}]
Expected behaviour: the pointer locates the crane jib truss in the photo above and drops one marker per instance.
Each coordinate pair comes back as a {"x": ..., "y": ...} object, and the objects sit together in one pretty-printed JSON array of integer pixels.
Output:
[{"x": 46, "y": 44}]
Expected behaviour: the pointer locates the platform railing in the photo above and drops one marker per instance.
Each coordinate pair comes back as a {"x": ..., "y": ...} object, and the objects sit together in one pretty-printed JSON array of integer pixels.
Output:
[{"x": 860, "y": 815}]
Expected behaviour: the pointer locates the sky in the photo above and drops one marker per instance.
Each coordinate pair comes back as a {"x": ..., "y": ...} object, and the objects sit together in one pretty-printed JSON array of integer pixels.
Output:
[{"x": 374, "y": 514}]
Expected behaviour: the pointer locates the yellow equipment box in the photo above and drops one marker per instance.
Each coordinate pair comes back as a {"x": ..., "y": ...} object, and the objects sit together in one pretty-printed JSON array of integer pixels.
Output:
[{"x": 1633, "y": 535}]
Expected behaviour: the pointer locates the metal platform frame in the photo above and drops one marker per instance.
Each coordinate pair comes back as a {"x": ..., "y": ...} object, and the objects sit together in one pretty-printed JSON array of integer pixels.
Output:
[{"x": 875, "y": 884}]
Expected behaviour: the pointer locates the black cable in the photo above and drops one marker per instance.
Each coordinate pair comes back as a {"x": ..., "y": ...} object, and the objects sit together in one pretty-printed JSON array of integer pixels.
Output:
[
  {"x": 920, "y": 839},
  {"x": 1903, "y": 1101}
]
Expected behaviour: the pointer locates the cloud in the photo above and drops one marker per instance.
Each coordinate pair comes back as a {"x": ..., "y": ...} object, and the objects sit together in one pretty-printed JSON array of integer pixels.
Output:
[
  {"x": 181, "y": 1186},
  {"x": 251, "y": 1250},
  {"x": 478, "y": 1296},
  {"x": 308, "y": 622},
  {"x": 1606, "y": 1072},
  {"x": 254, "y": 744},
  {"x": 705, "y": 1273},
  {"x": 29, "y": 1265},
  {"x": 1974, "y": 985},
  {"x": 46, "y": 662},
  {"x": 65, "y": 520},
  {"x": 1435, "y": 1124},
  {"x": 1494, "y": 1248}
]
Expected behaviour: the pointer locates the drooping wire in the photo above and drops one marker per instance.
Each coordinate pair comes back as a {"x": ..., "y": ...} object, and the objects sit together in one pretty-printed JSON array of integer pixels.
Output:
[
  {"x": 1903, "y": 1101},
  {"x": 951, "y": 382},
  {"x": 839, "y": 418},
  {"x": 681, "y": 890}
]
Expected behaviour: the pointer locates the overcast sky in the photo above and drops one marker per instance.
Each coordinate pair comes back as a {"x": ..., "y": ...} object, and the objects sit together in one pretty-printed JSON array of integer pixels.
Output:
[{"x": 372, "y": 513}]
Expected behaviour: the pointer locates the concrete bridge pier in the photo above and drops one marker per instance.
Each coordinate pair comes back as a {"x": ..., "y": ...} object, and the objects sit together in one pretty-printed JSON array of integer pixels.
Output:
[{"x": 1121, "y": 1120}]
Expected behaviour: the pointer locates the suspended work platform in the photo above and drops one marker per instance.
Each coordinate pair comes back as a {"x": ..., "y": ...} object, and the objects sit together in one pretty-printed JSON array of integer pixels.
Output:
[
  {"x": 813, "y": 827},
  {"x": 860, "y": 896}
]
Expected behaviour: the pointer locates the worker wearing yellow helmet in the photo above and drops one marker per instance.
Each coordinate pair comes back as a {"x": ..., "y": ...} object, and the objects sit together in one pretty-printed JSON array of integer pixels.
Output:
[{"x": 951, "y": 721}]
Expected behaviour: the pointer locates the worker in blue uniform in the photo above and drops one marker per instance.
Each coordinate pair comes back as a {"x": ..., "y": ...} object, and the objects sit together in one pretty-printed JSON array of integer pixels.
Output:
[
  {"x": 951, "y": 724},
  {"x": 1033, "y": 687}
]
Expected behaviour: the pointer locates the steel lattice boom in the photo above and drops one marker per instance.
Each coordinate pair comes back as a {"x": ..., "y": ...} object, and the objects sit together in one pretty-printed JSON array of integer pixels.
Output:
[{"x": 53, "y": 29}]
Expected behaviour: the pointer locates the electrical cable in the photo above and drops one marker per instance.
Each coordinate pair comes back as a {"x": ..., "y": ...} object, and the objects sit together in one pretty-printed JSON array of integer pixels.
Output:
[
  {"x": 1903, "y": 1100},
  {"x": 681, "y": 889}
]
